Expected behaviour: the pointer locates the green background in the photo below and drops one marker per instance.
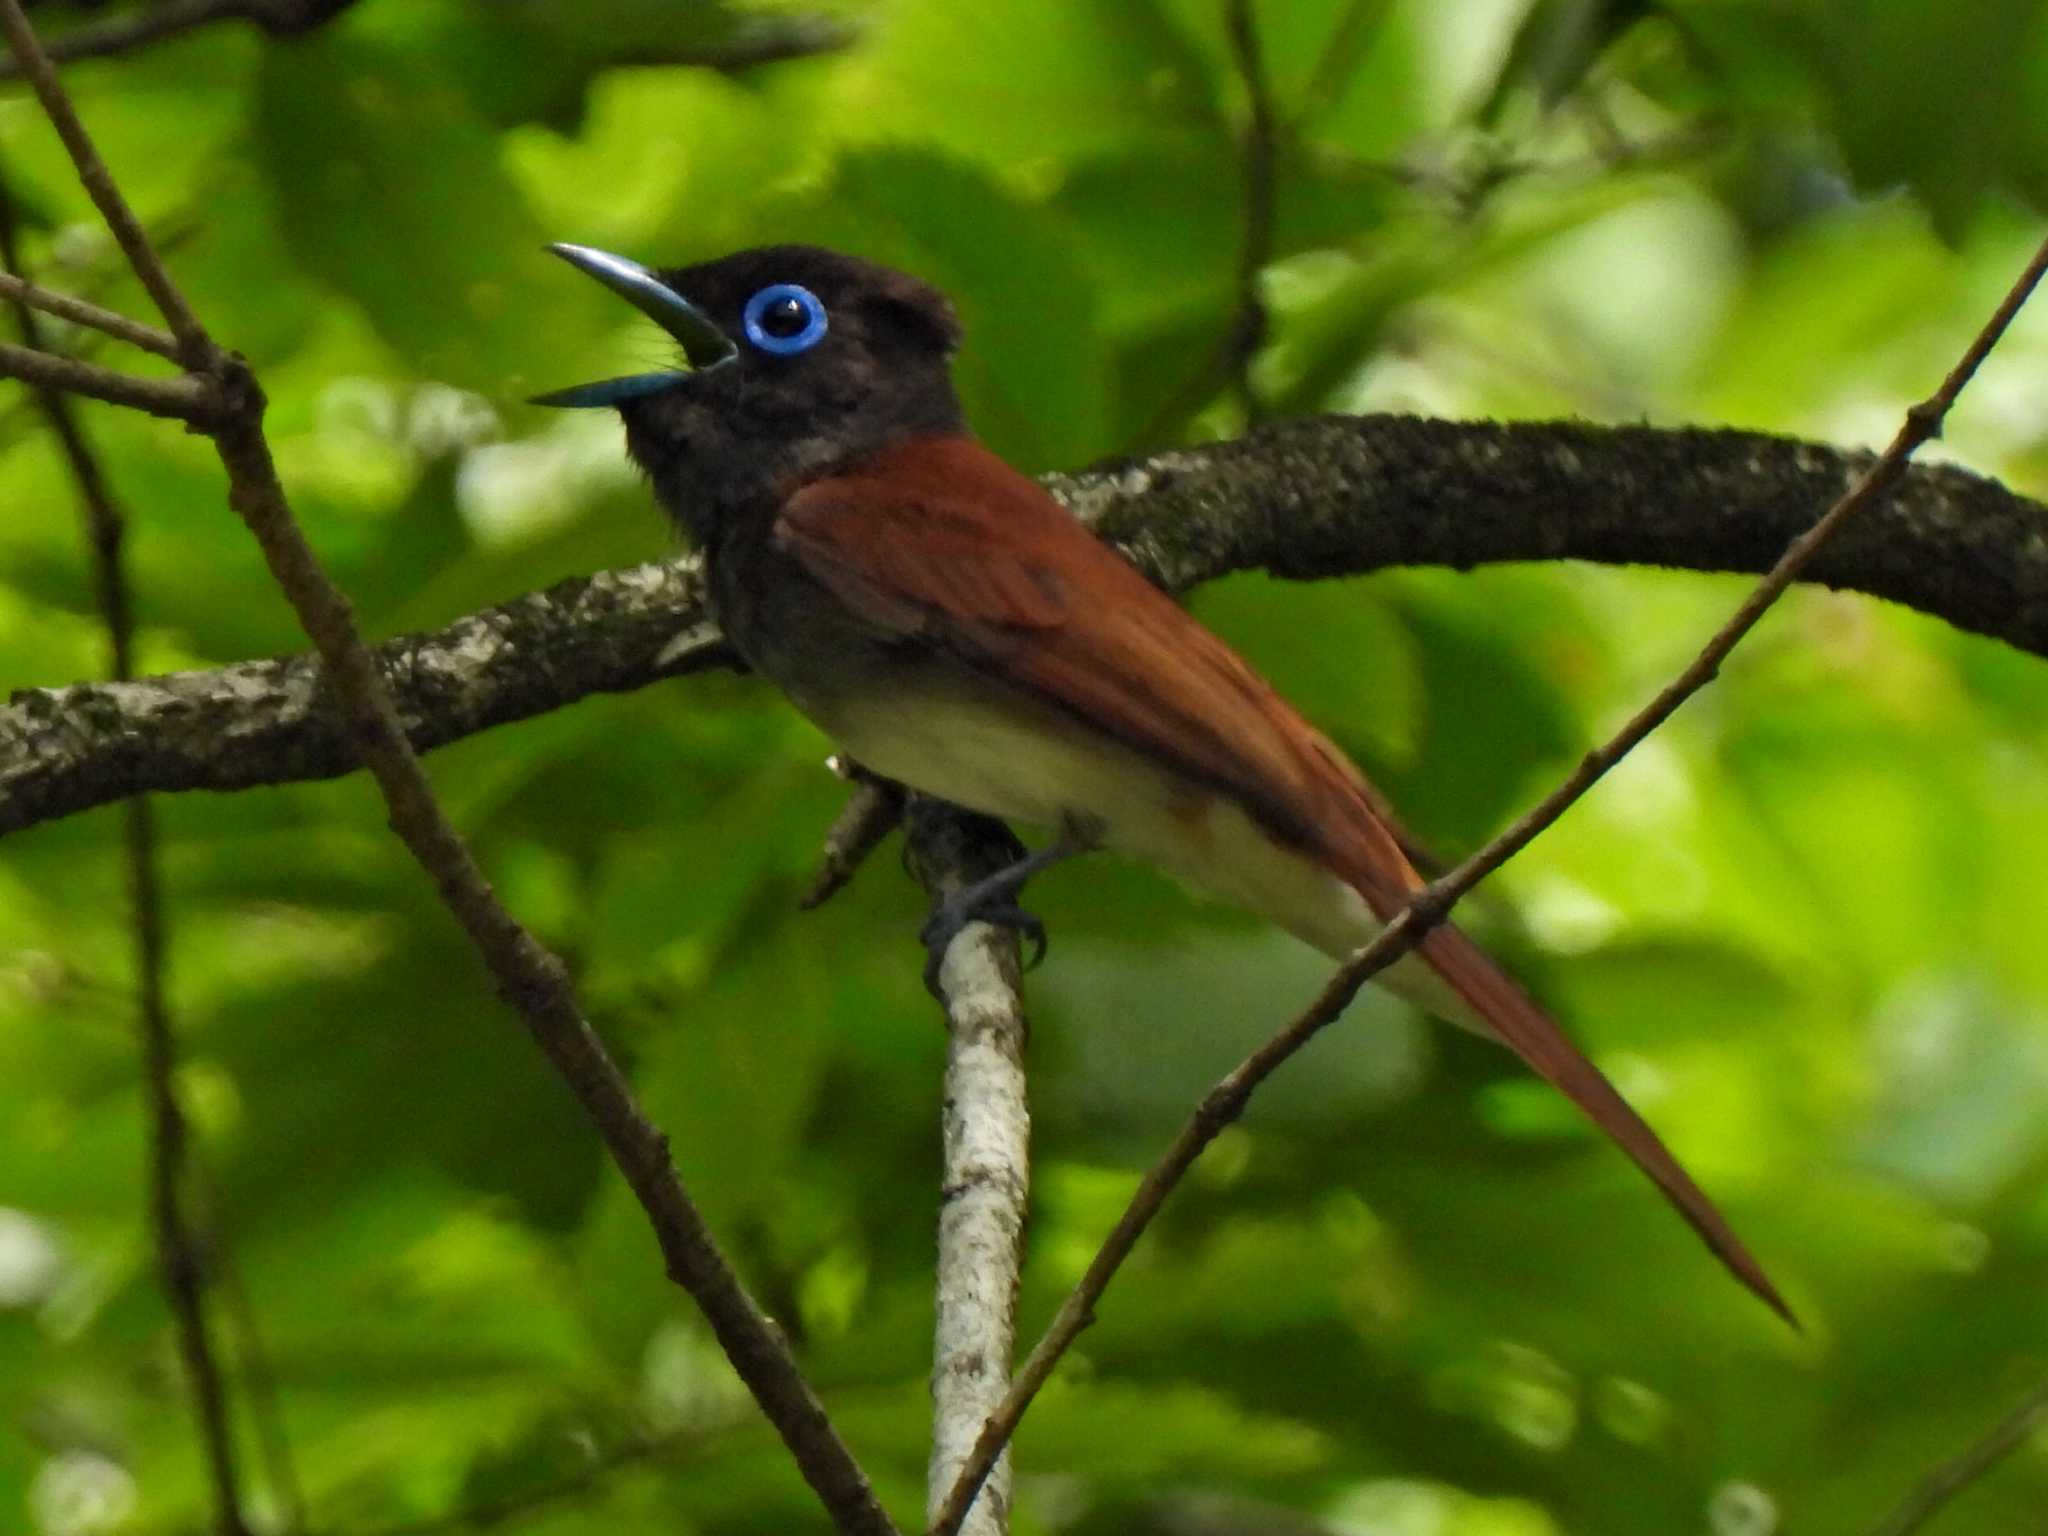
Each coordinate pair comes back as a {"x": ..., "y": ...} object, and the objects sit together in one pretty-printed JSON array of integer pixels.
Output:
[{"x": 1411, "y": 1295}]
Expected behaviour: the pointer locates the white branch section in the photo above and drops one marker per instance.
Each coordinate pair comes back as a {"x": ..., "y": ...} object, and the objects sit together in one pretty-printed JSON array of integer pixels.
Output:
[{"x": 986, "y": 1125}]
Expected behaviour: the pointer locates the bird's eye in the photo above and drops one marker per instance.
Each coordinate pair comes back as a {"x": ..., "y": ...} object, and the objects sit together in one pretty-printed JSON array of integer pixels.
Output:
[{"x": 784, "y": 319}]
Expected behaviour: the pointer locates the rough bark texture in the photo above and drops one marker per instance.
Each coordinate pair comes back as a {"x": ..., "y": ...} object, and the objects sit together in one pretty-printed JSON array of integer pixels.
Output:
[
  {"x": 1321, "y": 497},
  {"x": 273, "y": 721}
]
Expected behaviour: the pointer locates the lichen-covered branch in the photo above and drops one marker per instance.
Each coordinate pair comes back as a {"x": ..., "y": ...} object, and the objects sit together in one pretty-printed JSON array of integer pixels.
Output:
[{"x": 1319, "y": 497}]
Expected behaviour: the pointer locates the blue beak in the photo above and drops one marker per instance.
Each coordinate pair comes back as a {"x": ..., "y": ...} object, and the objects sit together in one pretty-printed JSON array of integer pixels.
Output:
[{"x": 703, "y": 343}]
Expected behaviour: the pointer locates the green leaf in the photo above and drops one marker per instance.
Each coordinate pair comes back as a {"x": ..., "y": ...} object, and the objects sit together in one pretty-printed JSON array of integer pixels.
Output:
[{"x": 437, "y": 249}]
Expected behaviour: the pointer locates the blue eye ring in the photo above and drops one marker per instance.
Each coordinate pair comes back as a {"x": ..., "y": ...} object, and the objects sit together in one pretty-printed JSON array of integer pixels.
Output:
[{"x": 798, "y": 341}]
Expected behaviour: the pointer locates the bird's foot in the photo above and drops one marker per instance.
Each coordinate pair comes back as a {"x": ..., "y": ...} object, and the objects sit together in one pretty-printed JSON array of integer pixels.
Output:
[
  {"x": 946, "y": 921},
  {"x": 992, "y": 900}
]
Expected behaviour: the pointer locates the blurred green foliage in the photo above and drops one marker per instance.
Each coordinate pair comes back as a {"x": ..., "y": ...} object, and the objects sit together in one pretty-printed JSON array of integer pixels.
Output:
[{"x": 1411, "y": 1293}]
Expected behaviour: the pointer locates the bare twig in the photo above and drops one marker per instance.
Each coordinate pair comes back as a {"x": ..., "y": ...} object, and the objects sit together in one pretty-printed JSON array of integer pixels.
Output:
[
  {"x": 184, "y": 1274},
  {"x": 171, "y": 232},
  {"x": 17, "y": 290},
  {"x": 1226, "y": 1101},
  {"x": 252, "y": 1357},
  {"x": 492, "y": 1513},
  {"x": 758, "y": 40},
  {"x": 195, "y": 350},
  {"x": 178, "y": 1249},
  {"x": 870, "y": 814},
  {"x": 184, "y": 399},
  {"x": 986, "y": 1183},
  {"x": 1255, "y": 249},
  {"x": 531, "y": 978},
  {"x": 139, "y": 29},
  {"x": 764, "y": 39},
  {"x": 1939, "y": 1486},
  {"x": 1230, "y": 360},
  {"x": 1335, "y": 66}
]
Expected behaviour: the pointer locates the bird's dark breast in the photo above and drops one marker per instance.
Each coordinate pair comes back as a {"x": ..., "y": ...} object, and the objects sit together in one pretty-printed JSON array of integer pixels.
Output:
[{"x": 795, "y": 632}]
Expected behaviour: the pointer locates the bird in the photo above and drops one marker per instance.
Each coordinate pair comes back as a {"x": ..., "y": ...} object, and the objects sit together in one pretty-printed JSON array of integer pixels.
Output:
[{"x": 954, "y": 628}]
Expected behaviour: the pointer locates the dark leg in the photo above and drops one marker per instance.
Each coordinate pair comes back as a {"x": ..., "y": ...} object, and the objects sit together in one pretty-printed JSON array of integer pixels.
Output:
[{"x": 993, "y": 900}]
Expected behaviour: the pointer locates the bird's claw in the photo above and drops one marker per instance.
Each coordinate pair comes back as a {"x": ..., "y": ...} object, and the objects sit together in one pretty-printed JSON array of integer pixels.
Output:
[{"x": 946, "y": 921}]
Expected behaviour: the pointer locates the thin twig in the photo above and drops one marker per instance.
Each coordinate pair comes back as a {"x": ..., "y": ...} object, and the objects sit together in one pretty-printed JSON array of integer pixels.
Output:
[
  {"x": 529, "y": 976},
  {"x": 757, "y": 41},
  {"x": 985, "y": 1129},
  {"x": 497, "y": 1512},
  {"x": 195, "y": 350},
  {"x": 1255, "y": 249},
  {"x": 764, "y": 39},
  {"x": 257, "y": 1376},
  {"x": 186, "y": 399},
  {"x": 871, "y": 813},
  {"x": 178, "y": 1249},
  {"x": 1337, "y": 64},
  {"x": 171, "y": 232},
  {"x": 1429, "y": 906},
  {"x": 1229, "y": 360},
  {"x": 19, "y": 291},
  {"x": 1939, "y": 1486},
  {"x": 124, "y": 34}
]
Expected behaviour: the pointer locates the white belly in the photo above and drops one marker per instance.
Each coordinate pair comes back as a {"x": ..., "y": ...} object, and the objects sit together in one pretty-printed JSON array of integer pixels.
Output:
[{"x": 1023, "y": 763}]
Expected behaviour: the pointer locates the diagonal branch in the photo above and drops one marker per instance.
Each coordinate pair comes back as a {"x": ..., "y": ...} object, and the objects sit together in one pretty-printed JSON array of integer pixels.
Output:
[
  {"x": 195, "y": 349},
  {"x": 763, "y": 39},
  {"x": 16, "y": 290},
  {"x": 184, "y": 399},
  {"x": 125, "y": 34},
  {"x": 1226, "y": 1101},
  {"x": 1951, "y": 1478},
  {"x": 529, "y": 976}
]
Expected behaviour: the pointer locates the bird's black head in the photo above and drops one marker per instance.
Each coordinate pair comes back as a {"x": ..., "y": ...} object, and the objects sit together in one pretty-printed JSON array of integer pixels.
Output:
[{"x": 800, "y": 361}]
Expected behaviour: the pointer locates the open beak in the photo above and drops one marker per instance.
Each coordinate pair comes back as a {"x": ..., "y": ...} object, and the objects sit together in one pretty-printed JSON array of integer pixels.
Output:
[{"x": 703, "y": 344}]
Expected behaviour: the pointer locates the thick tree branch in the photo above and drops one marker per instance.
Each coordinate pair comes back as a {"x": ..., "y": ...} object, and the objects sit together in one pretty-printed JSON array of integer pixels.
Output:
[
  {"x": 1319, "y": 497},
  {"x": 270, "y": 722},
  {"x": 986, "y": 1183}
]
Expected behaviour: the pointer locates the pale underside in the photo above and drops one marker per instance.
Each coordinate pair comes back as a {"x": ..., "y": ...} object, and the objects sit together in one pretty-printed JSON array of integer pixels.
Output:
[{"x": 993, "y": 751}]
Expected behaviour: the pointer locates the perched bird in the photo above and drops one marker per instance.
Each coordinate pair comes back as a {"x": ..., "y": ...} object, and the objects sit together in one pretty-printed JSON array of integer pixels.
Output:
[{"x": 954, "y": 628}]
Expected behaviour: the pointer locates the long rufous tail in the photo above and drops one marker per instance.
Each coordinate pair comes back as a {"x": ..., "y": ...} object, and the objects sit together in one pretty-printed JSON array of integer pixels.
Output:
[{"x": 1514, "y": 1019}]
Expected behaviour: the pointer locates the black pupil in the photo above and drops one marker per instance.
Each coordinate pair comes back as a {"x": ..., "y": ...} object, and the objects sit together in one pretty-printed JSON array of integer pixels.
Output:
[{"x": 784, "y": 317}]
